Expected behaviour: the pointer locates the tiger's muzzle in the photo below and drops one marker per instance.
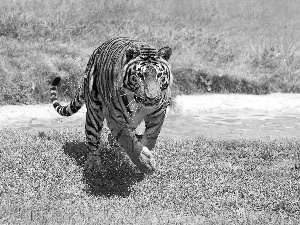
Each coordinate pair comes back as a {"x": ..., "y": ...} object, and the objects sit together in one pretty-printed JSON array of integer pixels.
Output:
[{"x": 146, "y": 101}]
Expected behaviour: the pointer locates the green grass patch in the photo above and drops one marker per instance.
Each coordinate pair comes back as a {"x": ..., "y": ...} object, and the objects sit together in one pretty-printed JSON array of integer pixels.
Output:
[{"x": 198, "y": 181}]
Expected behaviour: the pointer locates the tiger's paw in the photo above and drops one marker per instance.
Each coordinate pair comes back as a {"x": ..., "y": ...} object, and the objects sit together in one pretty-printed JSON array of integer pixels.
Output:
[{"x": 147, "y": 161}]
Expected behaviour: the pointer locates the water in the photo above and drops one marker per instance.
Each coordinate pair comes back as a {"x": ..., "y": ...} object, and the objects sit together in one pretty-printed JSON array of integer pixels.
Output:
[
  {"x": 236, "y": 116},
  {"x": 234, "y": 125},
  {"x": 217, "y": 116}
]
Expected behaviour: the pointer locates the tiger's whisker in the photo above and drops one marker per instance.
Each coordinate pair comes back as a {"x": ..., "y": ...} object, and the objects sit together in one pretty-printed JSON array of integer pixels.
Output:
[
  {"x": 124, "y": 94},
  {"x": 130, "y": 102},
  {"x": 134, "y": 105}
]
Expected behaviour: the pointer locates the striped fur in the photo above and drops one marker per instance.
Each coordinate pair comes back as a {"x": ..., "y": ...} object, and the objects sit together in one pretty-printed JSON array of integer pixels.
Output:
[{"x": 125, "y": 81}]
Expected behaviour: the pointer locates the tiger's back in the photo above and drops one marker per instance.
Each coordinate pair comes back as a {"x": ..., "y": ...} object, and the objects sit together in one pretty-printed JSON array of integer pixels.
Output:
[{"x": 105, "y": 67}]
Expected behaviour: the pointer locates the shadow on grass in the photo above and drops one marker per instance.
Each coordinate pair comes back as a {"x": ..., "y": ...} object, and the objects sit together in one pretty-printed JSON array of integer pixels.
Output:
[{"x": 117, "y": 173}]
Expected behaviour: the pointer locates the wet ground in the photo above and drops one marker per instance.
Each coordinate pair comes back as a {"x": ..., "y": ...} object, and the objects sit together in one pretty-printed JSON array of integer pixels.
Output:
[{"x": 218, "y": 116}]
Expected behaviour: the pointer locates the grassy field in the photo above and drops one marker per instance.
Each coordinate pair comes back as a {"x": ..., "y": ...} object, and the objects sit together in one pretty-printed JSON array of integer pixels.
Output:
[
  {"x": 199, "y": 181},
  {"x": 238, "y": 46}
]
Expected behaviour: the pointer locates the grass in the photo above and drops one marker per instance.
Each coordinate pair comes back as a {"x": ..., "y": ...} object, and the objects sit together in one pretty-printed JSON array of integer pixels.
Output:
[
  {"x": 247, "y": 43},
  {"x": 199, "y": 181}
]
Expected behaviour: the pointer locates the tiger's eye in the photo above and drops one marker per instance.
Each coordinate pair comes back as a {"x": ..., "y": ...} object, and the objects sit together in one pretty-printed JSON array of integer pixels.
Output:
[{"x": 140, "y": 75}]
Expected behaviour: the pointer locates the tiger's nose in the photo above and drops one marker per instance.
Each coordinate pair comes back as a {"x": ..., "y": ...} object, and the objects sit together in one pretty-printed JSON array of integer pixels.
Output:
[{"x": 152, "y": 90}]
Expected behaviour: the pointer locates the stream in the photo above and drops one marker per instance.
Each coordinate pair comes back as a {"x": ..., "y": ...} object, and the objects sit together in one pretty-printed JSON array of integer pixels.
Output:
[{"x": 219, "y": 116}]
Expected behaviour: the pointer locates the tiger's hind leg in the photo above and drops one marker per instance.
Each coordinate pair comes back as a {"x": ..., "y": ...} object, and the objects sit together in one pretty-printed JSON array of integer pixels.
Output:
[{"x": 93, "y": 127}]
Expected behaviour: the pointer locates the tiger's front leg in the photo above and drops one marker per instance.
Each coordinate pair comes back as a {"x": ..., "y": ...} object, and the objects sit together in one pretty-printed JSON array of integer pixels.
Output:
[
  {"x": 153, "y": 124},
  {"x": 140, "y": 155}
]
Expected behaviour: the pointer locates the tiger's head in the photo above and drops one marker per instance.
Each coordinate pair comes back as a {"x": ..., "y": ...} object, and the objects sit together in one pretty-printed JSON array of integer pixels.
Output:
[{"x": 147, "y": 74}]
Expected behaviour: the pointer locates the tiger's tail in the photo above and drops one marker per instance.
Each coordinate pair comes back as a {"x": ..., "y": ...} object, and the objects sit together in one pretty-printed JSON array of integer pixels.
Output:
[{"x": 76, "y": 103}]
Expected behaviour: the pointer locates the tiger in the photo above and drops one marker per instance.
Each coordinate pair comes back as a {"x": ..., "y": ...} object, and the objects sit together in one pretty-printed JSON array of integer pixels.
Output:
[{"x": 126, "y": 81}]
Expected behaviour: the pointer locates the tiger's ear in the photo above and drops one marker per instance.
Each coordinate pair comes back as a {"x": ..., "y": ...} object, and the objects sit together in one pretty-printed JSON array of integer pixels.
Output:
[
  {"x": 131, "y": 53},
  {"x": 165, "y": 53}
]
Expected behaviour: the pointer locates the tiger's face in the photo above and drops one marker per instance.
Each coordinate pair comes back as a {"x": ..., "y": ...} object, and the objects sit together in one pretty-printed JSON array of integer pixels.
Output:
[{"x": 148, "y": 74}]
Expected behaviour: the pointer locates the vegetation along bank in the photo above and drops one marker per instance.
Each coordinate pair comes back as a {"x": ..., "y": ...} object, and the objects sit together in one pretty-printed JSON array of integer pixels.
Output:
[{"x": 218, "y": 46}]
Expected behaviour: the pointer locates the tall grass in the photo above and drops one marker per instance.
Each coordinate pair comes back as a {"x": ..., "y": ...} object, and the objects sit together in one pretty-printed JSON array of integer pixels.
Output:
[{"x": 252, "y": 40}]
